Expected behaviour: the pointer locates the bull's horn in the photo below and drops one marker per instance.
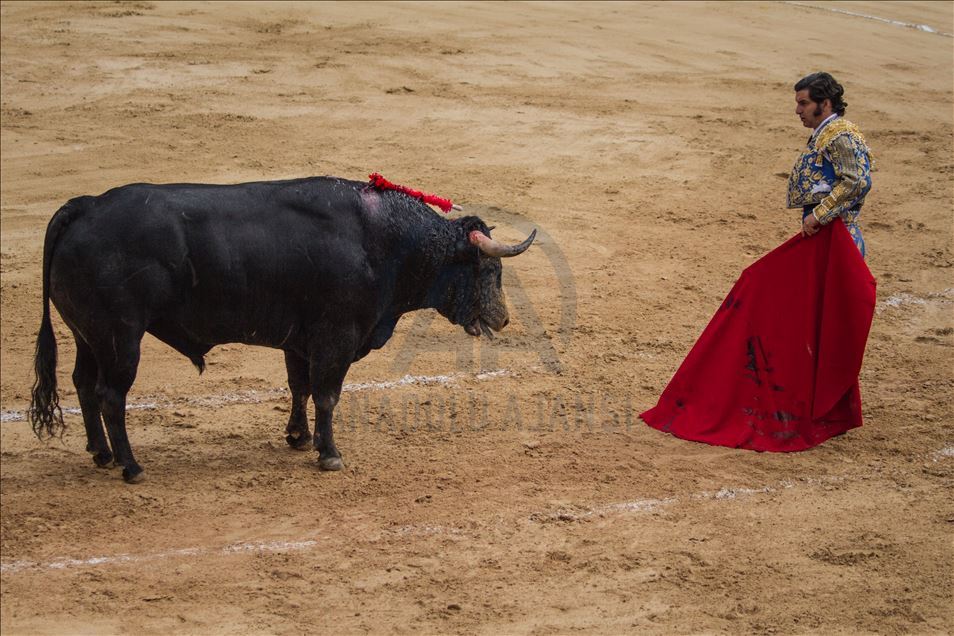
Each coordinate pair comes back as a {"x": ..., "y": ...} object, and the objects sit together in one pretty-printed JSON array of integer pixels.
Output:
[{"x": 491, "y": 247}]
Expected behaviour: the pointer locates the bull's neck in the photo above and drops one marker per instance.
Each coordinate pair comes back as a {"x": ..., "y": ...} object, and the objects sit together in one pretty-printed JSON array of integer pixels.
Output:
[{"x": 424, "y": 264}]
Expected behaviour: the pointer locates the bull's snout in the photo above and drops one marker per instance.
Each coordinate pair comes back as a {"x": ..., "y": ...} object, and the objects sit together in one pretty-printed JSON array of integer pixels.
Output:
[
  {"x": 498, "y": 319},
  {"x": 487, "y": 326}
]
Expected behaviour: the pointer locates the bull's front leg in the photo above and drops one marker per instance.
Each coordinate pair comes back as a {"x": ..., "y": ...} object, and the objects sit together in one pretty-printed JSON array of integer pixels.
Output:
[
  {"x": 326, "y": 381},
  {"x": 298, "y": 433}
]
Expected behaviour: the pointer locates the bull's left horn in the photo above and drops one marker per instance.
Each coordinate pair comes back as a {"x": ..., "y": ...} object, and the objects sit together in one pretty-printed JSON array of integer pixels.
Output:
[{"x": 491, "y": 247}]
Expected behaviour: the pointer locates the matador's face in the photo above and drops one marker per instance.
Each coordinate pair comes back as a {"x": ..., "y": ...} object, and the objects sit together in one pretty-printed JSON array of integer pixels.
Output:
[{"x": 811, "y": 113}]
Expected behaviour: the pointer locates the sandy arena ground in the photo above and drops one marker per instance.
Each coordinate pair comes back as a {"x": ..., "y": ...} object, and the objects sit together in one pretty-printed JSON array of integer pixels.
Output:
[{"x": 505, "y": 487}]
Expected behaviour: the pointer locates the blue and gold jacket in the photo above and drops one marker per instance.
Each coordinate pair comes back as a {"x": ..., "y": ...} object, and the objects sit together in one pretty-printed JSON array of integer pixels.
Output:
[{"x": 833, "y": 175}]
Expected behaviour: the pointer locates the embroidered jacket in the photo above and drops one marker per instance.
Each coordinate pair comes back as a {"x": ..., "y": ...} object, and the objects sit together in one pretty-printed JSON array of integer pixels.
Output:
[{"x": 833, "y": 175}]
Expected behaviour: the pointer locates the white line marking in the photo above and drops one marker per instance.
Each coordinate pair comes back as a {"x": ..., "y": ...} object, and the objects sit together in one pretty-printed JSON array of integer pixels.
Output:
[
  {"x": 640, "y": 505},
  {"x": 944, "y": 452},
  {"x": 650, "y": 505},
  {"x": 424, "y": 530},
  {"x": 577, "y": 514},
  {"x": 909, "y": 25},
  {"x": 944, "y": 297},
  {"x": 903, "y": 298},
  {"x": 232, "y": 548},
  {"x": 425, "y": 380},
  {"x": 253, "y": 396},
  {"x": 14, "y": 416}
]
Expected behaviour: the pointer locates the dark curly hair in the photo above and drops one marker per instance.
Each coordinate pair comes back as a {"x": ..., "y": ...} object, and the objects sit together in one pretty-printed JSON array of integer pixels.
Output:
[{"x": 822, "y": 86}]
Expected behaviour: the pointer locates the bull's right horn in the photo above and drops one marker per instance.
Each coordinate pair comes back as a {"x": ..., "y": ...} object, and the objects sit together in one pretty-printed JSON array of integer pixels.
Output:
[{"x": 491, "y": 247}]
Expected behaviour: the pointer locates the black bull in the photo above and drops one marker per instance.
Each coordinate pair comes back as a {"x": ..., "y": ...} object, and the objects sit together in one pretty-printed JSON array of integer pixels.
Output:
[{"x": 321, "y": 268}]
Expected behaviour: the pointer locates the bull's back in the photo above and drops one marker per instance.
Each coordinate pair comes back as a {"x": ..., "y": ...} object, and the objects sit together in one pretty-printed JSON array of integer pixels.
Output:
[{"x": 214, "y": 258}]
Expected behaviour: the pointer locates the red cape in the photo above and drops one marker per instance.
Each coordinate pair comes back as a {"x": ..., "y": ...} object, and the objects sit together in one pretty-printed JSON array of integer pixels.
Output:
[{"x": 777, "y": 367}]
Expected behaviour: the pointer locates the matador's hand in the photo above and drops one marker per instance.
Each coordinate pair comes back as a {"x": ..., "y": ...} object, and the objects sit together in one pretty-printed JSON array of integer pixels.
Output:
[{"x": 810, "y": 225}]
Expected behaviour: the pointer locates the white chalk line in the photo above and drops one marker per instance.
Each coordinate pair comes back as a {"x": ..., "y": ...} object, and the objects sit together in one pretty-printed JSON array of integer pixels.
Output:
[
  {"x": 232, "y": 548},
  {"x": 947, "y": 451},
  {"x": 908, "y": 25},
  {"x": 943, "y": 297},
  {"x": 412, "y": 530},
  {"x": 577, "y": 514},
  {"x": 651, "y": 505},
  {"x": 253, "y": 396}
]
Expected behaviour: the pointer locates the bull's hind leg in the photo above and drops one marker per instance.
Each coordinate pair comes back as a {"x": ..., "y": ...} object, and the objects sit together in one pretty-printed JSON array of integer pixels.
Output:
[
  {"x": 117, "y": 371},
  {"x": 84, "y": 379},
  {"x": 297, "y": 432}
]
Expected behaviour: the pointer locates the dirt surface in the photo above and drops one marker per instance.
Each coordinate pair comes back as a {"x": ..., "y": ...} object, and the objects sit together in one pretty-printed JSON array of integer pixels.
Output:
[{"x": 505, "y": 487}]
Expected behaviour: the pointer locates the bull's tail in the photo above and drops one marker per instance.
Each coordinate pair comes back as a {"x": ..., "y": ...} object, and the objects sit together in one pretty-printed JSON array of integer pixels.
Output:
[{"x": 45, "y": 414}]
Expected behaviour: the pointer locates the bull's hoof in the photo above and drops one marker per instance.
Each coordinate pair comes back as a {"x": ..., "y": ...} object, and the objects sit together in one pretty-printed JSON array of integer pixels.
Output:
[
  {"x": 330, "y": 463},
  {"x": 302, "y": 442},
  {"x": 134, "y": 475},
  {"x": 103, "y": 459}
]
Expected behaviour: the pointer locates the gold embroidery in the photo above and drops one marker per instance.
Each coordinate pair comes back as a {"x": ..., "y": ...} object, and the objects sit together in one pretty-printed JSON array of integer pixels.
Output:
[{"x": 834, "y": 129}]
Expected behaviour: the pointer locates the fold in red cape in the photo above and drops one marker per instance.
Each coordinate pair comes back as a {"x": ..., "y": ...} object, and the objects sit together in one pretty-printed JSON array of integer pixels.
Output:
[{"x": 777, "y": 367}]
